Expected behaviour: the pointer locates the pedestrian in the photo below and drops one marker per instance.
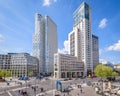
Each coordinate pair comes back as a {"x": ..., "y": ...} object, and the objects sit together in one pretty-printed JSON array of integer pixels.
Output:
[
  {"x": 81, "y": 90},
  {"x": 18, "y": 91},
  {"x": 22, "y": 92}
]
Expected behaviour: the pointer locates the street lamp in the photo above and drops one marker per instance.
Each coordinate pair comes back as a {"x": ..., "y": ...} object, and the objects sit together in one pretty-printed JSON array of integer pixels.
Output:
[{"x": 34, "y": 88}]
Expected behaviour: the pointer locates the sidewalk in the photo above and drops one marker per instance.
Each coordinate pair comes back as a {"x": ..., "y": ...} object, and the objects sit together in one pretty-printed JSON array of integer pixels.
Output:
[{"x": 87, "y": 91}]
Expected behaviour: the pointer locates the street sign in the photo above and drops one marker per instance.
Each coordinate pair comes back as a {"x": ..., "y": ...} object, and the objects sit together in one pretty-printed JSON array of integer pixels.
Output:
[
  {"x": 59, "y": 86},
  {"x": 58, "y": 83}
]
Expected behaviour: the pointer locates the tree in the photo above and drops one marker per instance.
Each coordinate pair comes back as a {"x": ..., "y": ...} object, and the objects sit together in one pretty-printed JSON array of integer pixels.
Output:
[
  {"x": 5, "y": 73},
  {"x": 103, "y": 71},
  {"x": 52, "y": 74},
  {"x": 31, "y": 73},
  {"x": 69, "y": 74},
  {"x": 114, "y": 74}
]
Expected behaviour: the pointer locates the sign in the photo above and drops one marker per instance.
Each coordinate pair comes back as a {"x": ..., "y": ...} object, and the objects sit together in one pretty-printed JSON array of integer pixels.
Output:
[
  {"x": 59, "y": 86},
  {"x": 58, "y": 83}
]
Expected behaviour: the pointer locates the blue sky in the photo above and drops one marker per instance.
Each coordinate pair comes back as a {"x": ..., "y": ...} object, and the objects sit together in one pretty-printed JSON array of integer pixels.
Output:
[{"x": 17, "y": 24}]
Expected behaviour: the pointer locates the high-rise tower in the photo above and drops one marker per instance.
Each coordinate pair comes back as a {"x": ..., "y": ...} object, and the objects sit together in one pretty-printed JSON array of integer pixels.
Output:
[
  {"x": 81, "y": 37},
  {"x": 45, "y": 42},
  {"x": 95, "y": 50}
]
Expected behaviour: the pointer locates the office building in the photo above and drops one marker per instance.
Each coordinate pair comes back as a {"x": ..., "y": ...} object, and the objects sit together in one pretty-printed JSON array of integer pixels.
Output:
[
  {"x": 65, "y": 64},
  {"x": 22, "y": 64},
  {"x": 5, "y": 61},
  {"x": 81, "y": 37},
  {"x": 95, "y": 50},
  {"x": 45, "y": 42}
]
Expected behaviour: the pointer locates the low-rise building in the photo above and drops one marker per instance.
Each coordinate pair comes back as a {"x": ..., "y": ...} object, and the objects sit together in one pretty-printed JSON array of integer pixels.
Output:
[
  {"x": 66, "y": 65},
  {"x": 20, "y": 64},
  {"x": 117, "y": 68},
  {"x": 5, "y": 61}
]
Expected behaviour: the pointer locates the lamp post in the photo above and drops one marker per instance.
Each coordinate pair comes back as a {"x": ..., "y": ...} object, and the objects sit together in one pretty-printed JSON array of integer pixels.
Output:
[
  {"x": 35, "y": 87},
  {"x": 26, "y": 84}
]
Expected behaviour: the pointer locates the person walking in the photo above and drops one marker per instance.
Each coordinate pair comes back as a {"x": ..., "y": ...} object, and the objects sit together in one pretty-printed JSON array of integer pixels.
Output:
[{"x": 81, "y": 90}]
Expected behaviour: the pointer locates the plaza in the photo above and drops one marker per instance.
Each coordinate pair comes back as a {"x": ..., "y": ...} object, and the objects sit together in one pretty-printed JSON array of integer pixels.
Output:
[{"x": 33, "y": 87}]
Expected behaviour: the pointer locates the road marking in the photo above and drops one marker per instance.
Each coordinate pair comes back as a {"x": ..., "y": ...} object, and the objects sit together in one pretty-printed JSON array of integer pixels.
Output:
[
  {"x": 9, "y": 93},
  {"x": 18, "y": 89},
  {"x": 45, "y": 92}
]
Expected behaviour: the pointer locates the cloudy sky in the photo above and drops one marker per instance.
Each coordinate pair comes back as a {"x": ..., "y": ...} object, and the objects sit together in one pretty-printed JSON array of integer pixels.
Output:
[{"x": 17, "y": 24}]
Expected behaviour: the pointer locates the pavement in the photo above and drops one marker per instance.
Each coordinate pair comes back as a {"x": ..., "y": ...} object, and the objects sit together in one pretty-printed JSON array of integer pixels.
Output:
[{"x": 86, "y": 90}]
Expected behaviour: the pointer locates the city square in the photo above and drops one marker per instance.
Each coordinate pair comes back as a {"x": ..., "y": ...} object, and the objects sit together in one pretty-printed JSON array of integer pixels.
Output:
[{"x": 59, "y": 48}]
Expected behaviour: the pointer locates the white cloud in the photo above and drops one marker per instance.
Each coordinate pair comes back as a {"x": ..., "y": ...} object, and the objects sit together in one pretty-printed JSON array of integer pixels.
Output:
[
  {"x": 48, "y": 2},
  {"x": 1, "y": 38},
  {"x": 65, "y": 50},
  {"x": 114, "y": 47},
  {"x": 103, "y": 23}
]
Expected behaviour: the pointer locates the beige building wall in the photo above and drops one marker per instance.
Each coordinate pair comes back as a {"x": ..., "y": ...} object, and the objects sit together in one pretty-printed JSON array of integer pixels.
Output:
[{"x": 65, "y": 64}]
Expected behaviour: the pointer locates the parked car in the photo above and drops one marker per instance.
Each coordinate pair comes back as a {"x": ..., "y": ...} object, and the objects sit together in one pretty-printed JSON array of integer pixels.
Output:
[
  {"x": 66, "y": 90},
  {"x": 111, "y": 78},
  {"x": 65, "y": 79},
  {"x": 21, "y": 78},
  {"x": 24, "y": 78},
  {"x": 70, "y": 88},
  {"x": 70, "y": 78},
  {"x": 39, "y": 77},
  {"x": 82, "y": 77}
]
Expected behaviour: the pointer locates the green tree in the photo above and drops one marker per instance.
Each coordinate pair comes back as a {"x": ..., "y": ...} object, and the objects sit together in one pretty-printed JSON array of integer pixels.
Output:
[
  {"x": 103, "y": 71},
  {"x": 5, "y": 73},
  {"x": 114, "y": 74},
  {"x": 69, "y": 74},
  {"x": 52, "y": 74},
  {"x": 31, "y": 73}
]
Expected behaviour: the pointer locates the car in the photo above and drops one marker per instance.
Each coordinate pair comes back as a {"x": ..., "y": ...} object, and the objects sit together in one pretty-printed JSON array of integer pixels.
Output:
[
  {"x": 21, "y": 78},
  {"x": 70, "y": 78},
  {"x": 24, "y": 78},
  {"x": 70, "y": 88},
  {"x": 66, "y": 90},
  {"x": 111, "y": 78},
  {"x": 65, "y": 79},
  {"x": 39, "y": 77}
]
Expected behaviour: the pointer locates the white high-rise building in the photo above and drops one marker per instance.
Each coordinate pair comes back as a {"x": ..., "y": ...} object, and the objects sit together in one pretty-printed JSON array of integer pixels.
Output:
[
  {"x": 45, "y": 42},
  {"x": 80, "y": 38}
]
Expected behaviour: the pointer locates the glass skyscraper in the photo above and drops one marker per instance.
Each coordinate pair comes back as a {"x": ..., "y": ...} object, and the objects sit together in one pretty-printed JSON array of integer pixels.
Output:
[
  {"x": 81, "y": 37},
  {"x": 45, "y": 42}
]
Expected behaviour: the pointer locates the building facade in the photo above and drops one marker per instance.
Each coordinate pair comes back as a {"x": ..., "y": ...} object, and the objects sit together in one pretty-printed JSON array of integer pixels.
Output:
[
  {"x": 95, "y": 50},
  {"x": 5, "y": 61},
  {"x": 22, "y": 64},
  {"x": 81, "y": 37},
  {"x": 65, "y": 64},
  {"x": 45, "y": 42}
]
